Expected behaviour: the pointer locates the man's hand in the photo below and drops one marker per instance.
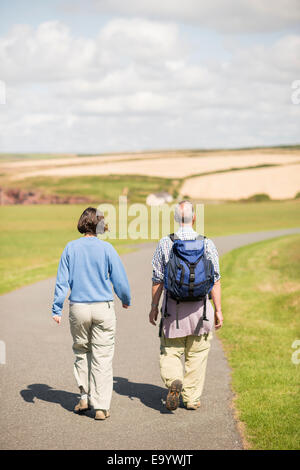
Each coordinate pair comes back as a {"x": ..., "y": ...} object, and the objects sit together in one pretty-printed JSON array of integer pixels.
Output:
[
  {"x": 57, "y": 318},
  {"x": 125, "y": 306},
  {"x": 218, "y": 319},
  {"x": 153, "y": 315}
]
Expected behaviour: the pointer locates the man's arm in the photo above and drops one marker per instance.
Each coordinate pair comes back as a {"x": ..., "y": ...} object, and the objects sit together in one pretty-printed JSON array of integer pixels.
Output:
[
  {"x": 158, "y": 265},
  {"x": 212, "y": 254},
  {"x": 157, "y": 289},
  {"x": 216, "y": 297}
]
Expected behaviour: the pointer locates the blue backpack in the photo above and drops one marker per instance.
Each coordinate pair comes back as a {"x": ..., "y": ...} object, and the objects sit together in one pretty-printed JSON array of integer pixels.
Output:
[{"x": 189, "y": 274}]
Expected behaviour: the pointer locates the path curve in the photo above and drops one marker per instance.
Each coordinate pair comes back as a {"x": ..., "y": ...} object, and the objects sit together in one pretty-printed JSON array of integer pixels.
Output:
[{"x": 38, "y": 391}]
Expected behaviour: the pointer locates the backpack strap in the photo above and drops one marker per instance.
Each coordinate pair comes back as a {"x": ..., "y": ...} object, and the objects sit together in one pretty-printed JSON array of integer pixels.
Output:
[
  {"x": 163, "y": 315},
  {"x": 199, "y": 325},
  {"x": 160, "y": 327},
  {"x": 199, "y": 237},
  {"x": 200, "y": 322},
  {"x": 166, "y": 305},
  {"x": 204, "y": 311},
  {"x": 177, "y": 311}
]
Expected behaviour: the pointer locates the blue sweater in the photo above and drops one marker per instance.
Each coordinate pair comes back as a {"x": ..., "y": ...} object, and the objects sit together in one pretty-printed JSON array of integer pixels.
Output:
[{"x": 88, "y": 266}]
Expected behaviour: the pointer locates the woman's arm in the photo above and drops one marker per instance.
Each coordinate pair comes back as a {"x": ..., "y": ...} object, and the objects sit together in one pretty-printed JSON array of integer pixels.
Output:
[
  {"x": 118, "y": 276},
  {"x": 62, "y": 285}
]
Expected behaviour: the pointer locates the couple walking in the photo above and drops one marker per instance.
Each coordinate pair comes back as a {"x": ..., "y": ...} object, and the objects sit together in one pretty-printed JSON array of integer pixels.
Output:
[{"x": 185, "y": 268}]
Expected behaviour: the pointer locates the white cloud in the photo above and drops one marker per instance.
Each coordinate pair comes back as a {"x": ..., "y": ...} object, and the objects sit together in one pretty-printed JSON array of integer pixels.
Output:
[
  {"x": 138, "y": 85},
  {"x": 47, "y": 53},
  {"x": 222, "y": 15}
]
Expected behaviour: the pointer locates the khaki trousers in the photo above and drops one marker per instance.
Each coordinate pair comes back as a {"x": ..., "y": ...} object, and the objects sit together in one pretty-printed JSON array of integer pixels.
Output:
[
  {"x": 93, "y": 330},
  {"x": 195, "y": 349}
]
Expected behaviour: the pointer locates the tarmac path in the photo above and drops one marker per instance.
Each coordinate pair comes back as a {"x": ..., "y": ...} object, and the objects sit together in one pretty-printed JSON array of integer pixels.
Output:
[{"x": 38, "y": 390}]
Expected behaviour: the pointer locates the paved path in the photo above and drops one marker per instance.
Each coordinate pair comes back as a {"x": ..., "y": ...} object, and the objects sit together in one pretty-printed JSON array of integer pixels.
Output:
[{"x": 38, "y": 391}]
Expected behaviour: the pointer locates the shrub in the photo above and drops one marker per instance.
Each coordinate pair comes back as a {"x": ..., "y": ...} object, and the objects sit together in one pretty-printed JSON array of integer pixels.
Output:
[{"x": 259, "y": 198}]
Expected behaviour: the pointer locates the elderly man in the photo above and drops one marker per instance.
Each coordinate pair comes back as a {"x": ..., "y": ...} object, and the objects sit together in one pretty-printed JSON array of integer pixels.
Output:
[{"x": 187, "y": 327}]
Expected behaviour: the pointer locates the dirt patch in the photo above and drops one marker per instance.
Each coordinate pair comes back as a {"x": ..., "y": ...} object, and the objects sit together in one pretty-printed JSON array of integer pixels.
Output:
[
  {"x": 290, "y": 287},
  {"x": 286, "y": 287},
  {"x": 13, "y": 196}
]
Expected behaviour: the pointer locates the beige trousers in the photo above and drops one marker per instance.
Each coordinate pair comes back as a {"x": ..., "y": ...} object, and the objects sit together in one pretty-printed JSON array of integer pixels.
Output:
[
  {"x": 195, "y": 349},
  {"x": 93, "y": 330}
]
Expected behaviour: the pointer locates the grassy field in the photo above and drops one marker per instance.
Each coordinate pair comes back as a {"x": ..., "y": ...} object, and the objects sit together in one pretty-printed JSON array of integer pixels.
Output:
[
  {"x": 104, "y": 189},
  {"x": 261, "y": 292},
  {"x": 230, "y": 218},
  {"x": 33, "y": 237}
]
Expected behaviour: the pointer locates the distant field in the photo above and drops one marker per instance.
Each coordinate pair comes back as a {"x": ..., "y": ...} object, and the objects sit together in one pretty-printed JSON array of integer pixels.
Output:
[
  {"x": 261, "y": 307},
  {"x": 209, "y": 175},
  {"x": 171, "y": 166},
  {"x": 11, "y": 157},
  {"x": 279, "y": 182},
  {"x": 33, "y": 237}
]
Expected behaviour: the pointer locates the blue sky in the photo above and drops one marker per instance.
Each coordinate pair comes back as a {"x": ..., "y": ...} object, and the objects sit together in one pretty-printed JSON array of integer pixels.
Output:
[
  {"x": 110, "y": 75},
  {"x": 34, "y": 12}
]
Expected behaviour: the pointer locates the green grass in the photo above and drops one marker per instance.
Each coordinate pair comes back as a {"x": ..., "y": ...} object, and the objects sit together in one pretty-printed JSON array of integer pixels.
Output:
[
  {"x": 261, "y": 306},
  {"x": 33, "y": 237},
  {"x": 237, "y": 217},
  {"x": 100, "y": 188}
]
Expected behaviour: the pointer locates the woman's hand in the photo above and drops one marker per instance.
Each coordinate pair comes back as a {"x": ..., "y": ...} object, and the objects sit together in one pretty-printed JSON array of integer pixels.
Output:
[
  {"x": 153, "y": 315},
  {"x": 57, "y": 318}
]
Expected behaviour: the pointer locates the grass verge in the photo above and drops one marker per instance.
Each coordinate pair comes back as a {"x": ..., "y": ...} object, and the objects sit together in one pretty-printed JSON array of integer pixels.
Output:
[{"x": 261, "y": 304}]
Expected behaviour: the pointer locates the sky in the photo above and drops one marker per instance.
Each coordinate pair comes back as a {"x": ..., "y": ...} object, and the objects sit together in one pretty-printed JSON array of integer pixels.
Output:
[{"x": 96, "y": 76}]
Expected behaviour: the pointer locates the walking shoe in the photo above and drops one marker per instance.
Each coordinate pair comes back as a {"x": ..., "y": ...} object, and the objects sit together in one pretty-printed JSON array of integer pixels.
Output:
[
  {"x": 81, "y": 406},
  {"x": 172, "y": 401},
  {"x": 102, "y": 414},
  {"x": 192, "y": 406}
]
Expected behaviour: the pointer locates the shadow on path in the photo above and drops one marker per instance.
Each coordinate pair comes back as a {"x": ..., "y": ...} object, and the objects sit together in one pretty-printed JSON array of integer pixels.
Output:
[
  {"x": 150, "y": 395},
  {"x": 46, "y": 393}
]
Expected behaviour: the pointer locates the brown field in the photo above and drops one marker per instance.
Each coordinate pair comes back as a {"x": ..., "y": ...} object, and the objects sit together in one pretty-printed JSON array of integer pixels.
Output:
[{"x": 279, "y": 182}]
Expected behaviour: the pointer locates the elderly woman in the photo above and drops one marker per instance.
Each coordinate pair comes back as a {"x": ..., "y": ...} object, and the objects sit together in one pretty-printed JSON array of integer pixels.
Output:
[{"x": 88, "y": 266}]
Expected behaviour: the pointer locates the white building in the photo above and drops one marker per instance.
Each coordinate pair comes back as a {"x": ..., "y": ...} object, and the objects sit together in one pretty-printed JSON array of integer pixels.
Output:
[{"x": 158, "y": 199}]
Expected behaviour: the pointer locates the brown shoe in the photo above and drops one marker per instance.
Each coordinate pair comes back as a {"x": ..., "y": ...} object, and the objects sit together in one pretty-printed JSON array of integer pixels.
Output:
[
  {"x": 81, "y": 406},
  {"x": 102, "y": 414},
  {"x": 172, "y": 401},
  {"x": 193, "y": 406}
]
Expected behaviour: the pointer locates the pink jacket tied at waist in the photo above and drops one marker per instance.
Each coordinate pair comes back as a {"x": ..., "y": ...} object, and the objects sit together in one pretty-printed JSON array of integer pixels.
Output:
[{"x": 189, "y": 314}]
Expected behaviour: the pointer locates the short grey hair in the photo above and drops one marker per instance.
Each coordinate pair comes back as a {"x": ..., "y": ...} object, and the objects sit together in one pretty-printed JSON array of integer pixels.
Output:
[{"x": 184, "y": 212}]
